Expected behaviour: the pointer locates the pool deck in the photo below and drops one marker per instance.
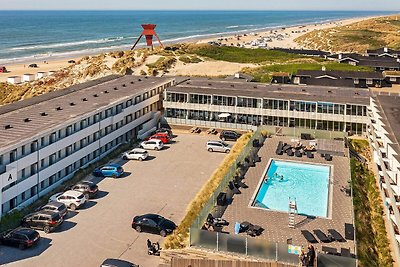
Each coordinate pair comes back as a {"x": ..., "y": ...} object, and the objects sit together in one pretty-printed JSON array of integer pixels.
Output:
[{"x": 275, "y": 223}]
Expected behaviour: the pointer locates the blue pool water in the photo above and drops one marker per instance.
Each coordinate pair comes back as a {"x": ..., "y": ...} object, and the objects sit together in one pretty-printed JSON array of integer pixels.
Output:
[{"x": 307, "y": 183}]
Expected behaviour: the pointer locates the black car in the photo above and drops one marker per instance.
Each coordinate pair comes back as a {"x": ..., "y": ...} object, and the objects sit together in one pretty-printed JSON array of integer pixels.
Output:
[
  {"x": 33, "y": 65},
  {"x": 56, "y": 207},
  {"x": 117, "y": 263},
  {"x": 71, "y": 61},
  {"x": 43, "y": 220},
  {"x": 229, "y": 135},
  {"x": 88, "y": 188},
  {"x": 153, "y": 223},
  {"x": 20, "y": 237}
]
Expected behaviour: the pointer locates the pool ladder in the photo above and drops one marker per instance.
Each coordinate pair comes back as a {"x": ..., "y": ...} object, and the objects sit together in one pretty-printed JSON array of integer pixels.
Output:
[{"x": 292, "y": 212}]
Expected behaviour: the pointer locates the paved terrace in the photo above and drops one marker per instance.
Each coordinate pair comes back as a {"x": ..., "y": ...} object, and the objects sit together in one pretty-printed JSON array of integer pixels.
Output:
[{"x": 276, "y": 223}]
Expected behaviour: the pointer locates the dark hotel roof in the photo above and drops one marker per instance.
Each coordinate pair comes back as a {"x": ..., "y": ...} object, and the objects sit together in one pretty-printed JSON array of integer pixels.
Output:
[
  {"x": 259, "y": 90},
  {"x": 342, "y": 74},
  {"x": 27, "y": 118}
]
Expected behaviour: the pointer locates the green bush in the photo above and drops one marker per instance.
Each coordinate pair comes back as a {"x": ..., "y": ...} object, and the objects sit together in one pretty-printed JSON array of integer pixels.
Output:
[{"x": 372, "y": 241}]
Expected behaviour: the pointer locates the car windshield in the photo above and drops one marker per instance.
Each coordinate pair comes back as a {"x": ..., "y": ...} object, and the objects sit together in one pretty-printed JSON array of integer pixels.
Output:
[
  {"x": 81, "y": 196},
  {"x": 224, "y": 144}
]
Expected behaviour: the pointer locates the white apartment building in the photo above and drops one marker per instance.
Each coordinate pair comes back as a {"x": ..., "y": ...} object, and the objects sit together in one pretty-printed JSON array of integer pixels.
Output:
[
  {"x": 45, "y": 139},
  {"x": 384, "y": 135}
]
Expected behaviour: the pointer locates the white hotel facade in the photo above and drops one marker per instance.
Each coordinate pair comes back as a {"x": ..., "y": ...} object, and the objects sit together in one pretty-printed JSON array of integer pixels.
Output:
[
  {"x": 384, "y": 137},
  {"x": 46, "y": 139}
]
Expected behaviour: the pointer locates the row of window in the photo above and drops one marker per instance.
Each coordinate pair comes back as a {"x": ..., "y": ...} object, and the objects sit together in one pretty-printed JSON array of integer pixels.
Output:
[
  {"x": 357, "y": 128},
  {"x": 44, "y": 141},
  {"x": 275, "y": 104},
  {"x": 33, "y": 191}
]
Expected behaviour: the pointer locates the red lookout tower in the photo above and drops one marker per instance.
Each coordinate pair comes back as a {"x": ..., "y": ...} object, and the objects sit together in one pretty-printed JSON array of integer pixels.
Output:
[{"x": 148, "y": 32}]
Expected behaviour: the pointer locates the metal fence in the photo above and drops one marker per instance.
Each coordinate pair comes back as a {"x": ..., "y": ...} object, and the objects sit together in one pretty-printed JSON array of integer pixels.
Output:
[{"x": 259, "y": 248}]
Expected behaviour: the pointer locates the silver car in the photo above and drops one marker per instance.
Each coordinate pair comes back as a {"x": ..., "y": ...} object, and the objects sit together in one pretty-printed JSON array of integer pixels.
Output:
[{"x": 218, "y": 146}]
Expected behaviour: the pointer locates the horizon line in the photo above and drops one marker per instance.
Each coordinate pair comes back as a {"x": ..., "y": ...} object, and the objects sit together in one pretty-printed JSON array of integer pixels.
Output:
[{"x": 239, "y": 10}]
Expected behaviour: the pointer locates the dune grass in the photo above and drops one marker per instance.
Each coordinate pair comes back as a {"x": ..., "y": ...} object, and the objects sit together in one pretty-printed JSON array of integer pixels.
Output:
[
  {"x": 243, "y": 55},
  {"x": 179, "y": 238},
  {"x": 372, "y": 241}
]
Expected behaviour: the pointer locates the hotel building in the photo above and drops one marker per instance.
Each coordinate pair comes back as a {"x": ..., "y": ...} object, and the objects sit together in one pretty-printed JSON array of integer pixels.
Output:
[
  {"x": 46, "y": 139},
  {"x": 243, "y": 105},
  {"x": 384, "y": 135}
]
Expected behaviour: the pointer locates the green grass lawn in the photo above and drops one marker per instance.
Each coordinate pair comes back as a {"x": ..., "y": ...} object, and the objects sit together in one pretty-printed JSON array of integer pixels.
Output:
[{"x": 243, "y": 55}]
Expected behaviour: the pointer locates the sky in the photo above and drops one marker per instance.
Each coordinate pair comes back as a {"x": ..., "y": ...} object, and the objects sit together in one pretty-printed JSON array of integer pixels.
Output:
[{"x": 374, "y": 5}]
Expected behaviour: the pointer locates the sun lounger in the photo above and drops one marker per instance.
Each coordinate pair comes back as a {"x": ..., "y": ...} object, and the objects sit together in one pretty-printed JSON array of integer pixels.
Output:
[
  {"x": 233, "y": 188},
  {"x": 338, "y": 237},
  {"x": 329, "y": 250},
  {"x": 349, "y": 231},
  {"x": 286, "y": 148},
  {"x": 309, "y": 236},
  {"x": 290, "y": 153},
  {"x": 321, "y": 236},
  {"x": 328, "y": 157},
  {"x": 279, "y": 151},
  {"x": 239, "y": 182},
  {"x": 310, "y": 155},
  {"x": 345, "y": 252},
  {"x": 298, "y": 153}
]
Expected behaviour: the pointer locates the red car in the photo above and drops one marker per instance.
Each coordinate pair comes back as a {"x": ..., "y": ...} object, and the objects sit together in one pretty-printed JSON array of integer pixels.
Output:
[
  {"x": 160, "y": 136},
  {"x": 3, "y": 69}
]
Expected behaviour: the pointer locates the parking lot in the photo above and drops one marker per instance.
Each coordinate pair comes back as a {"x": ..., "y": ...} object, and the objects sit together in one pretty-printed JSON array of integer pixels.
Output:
[{"x": 164, "y": 184}]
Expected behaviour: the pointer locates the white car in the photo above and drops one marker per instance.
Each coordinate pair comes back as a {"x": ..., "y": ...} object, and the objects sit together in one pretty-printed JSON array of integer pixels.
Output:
[
  {"x": 71, "y": 198},
  {"x": 152, "y": 144},
  {"x": 136, "y": 153}
]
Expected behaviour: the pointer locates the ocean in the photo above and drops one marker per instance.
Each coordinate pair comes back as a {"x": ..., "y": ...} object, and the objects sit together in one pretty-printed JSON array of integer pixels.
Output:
[{"x": 40, "y": 35}]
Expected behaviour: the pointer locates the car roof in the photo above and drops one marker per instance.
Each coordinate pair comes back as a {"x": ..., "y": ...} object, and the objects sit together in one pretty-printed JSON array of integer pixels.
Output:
[
  {"x": 85, "y": 183},
  {"x": 156, "y": 140},
  {"x": 72, "y": 193},
  {"x": 43, "y": 212},
  {"x": 112, "y": 165},
  {"x": 140, "y": 150},
  {"x": 23, "y": 230},
  {"x": 54, "y": 204},
  {"x": 117, "y": 262}
]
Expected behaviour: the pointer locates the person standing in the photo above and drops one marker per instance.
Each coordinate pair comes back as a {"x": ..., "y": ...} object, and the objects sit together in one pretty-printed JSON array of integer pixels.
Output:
[{"x": 311, "y": 255}]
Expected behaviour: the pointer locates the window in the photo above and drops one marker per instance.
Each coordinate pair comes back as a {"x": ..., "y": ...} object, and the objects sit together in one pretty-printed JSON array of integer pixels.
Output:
[
  {"x": 52, "y": 138},
  {"x": 13, "y": 155},
  {"x": 23, "y": 195},
  {"x": 369, "y": 81},
  {"x": 23, "y": 150},
  {"x": 34, "y": 146}
]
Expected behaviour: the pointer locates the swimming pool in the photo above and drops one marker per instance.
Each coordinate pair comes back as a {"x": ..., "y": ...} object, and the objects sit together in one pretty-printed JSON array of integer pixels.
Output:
[{"x": 307, "y": 183}]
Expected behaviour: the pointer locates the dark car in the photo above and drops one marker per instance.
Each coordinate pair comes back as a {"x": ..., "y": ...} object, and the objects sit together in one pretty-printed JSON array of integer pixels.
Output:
[
  {"x": 229, "y": 135},
  {"x": 55, "y": 206},
  {"x": 20, "y": 237},
  {"x": 117, "y": 263},
  {"x": 153, "y": 223},
  {"x": 88, "y": 188},
  {"x": 71, "y": 61},
  {"x": 47, "y": 221},
  {"x": 34, "y": 65}
]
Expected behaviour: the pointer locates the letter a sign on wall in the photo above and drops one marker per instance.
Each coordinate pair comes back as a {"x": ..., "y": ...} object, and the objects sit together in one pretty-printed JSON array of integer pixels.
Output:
[{"x": 9, "y": 177}]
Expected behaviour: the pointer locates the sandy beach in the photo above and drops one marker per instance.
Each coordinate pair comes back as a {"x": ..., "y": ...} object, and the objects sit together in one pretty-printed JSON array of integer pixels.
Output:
[{"x": 281, "y": 37}]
